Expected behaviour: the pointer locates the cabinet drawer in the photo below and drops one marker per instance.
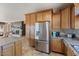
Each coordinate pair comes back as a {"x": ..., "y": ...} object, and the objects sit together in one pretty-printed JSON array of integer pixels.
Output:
[{"x": 57, "y": 45}]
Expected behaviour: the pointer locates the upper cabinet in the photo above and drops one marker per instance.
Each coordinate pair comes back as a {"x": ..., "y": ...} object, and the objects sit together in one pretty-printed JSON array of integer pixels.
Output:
[
  {"x": 76, "y": 9},
  {"x": 76, "y": 22},
  {"x": 47, "y": 15},
  {"x": 76, "y": 15},
  {"x": 39, "y": 17},
  {"x": 56, "y": 21},
  {"x": 27, "y": 20},
  {"x": 67, "y": 17},
  {"x": 44, "y": 15}
]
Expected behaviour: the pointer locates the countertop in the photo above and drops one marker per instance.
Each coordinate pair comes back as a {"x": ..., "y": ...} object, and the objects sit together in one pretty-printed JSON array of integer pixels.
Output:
[
  {"x": 69, "y": 42},
  {"x": 7, "y": 40}
]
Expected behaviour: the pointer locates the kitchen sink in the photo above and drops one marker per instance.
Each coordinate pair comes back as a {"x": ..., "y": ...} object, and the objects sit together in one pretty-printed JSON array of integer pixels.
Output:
[{"x": 76, "y": 47}]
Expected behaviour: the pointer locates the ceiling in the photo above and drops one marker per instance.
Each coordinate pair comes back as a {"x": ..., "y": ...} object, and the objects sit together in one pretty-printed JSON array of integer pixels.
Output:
[{"x": 16, "y": 11}]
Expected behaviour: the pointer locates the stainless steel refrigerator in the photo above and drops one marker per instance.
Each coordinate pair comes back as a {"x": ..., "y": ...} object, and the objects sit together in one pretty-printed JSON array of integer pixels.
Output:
[{"x": 42, "y": 36}]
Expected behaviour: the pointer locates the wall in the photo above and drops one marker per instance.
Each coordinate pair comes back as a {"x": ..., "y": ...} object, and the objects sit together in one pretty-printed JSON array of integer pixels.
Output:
[
  {"x": 14, "y": 11},
  {"x": 75, "y": 31}
]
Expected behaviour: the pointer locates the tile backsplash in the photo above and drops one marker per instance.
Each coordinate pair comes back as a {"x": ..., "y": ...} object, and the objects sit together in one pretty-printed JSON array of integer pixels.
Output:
[{"x": 75, "y": 31}]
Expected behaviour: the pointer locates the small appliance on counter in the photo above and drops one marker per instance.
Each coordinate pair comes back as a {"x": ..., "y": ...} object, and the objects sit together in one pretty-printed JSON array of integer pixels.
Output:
[
  {"x": 71, "y": 35},
  {"x": 55, "y": 34}
]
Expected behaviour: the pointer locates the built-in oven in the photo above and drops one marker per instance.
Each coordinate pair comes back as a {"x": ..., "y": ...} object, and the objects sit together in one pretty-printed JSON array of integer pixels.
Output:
[{"x": 17, "y": 32}]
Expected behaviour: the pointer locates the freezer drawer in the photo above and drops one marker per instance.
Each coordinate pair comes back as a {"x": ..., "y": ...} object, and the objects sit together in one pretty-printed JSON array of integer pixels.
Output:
[{"x": 42, "y": 46}]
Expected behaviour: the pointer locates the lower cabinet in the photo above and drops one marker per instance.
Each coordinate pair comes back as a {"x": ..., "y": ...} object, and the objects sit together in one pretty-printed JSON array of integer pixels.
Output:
[
  {"x": 32, "y": 42},
  {"x": 70, "y": 52},
  {"x": 11, "y": 49},
  {"x": 8, "y": 50},
  {"x": 18, "y": 48},
  {"x": 57, "y": 45},
  {"x": 65, "y": 50}
]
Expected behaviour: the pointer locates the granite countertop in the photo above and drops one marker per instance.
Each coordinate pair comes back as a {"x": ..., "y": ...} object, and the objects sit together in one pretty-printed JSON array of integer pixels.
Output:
[
  {"x": 7, "y": 40},
  {"x": 69, "y": 42}
]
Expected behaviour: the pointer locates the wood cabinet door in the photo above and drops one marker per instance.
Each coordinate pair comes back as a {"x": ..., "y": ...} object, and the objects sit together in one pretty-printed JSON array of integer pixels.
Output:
[
  {"x": 65, "y": 18},
  {"x": 18, "y": 48},
  {"x": 27, "y": 27},
  {"x": 56, "y": 21},
  {"x": 73, "y": 17},
  {"x": 32, "y": 32},
  {"x": 76, "y": 5},
  {"x": 70, "y": 52},
  {"x": 8, "y": 50},
  {"x": 76, "y": 22},
  {"x": 47, "y": 15},
  {"x": 39, "y": 16},
  {"x": 56, "y": 45},
  {"x": 44, "y": 16}
]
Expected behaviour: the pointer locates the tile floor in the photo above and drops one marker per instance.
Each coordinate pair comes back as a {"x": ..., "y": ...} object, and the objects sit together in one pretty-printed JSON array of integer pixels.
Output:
[{"x": 30, "y": 51}]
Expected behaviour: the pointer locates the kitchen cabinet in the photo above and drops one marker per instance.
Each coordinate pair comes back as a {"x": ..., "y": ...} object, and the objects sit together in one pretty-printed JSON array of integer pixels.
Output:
[
  {"x": 67, "y": 17},
  {"x": 39, "y": 17},
  {"x": 18, "y": 48},
  {"x": 8, "y": 50},
  {"x": 44, "y": 15},
  {"x": 65, "y": 50},
  {"x": 72, "y": 17},
  {"x": 57, "y": 45},
  {"x": 47, "y": 15},
  {"x": 27, "y": 27},
  {"x": 11, "y": 46},
  {"x": 56, "y": 21},
  {"x": 76, "y": 7},
  {"x": 76, "y": 22},
  {"x": 70, "y": 52},
  {"x": 32, "y": 29}
]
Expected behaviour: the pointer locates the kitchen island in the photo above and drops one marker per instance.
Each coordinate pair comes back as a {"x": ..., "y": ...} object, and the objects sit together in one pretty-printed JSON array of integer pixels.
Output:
[{"x": 10, "y": 46}]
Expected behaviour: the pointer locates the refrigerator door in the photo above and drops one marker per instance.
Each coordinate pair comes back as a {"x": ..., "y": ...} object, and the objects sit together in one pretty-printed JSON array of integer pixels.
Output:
[
  {"x": 42, "y": 46},
  {"x": 37, "y": 31},
  {"x": 44, "y": 31},
  {"x": 42, "y": 39}
]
